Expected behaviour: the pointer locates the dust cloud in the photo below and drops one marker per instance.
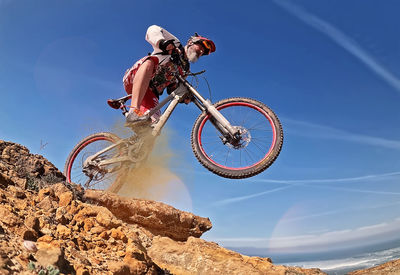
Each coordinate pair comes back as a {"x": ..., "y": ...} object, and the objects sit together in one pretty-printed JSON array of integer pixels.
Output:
[{"x": 153, "y": 179}]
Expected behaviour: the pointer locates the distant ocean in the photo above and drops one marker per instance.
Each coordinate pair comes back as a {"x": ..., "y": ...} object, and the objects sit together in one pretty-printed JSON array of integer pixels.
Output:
[{"x": 341, "y": 266}]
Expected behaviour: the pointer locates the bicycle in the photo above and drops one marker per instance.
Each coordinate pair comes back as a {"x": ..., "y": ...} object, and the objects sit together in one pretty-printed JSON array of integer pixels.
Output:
[{"x": 234, "y": 138}]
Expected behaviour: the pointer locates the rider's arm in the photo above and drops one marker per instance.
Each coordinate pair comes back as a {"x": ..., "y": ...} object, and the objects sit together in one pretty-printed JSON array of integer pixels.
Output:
[{"x": 155, "y": 34}]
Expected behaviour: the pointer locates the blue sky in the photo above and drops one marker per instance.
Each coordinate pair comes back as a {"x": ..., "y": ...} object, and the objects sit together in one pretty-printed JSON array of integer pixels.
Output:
[{"x": 330, "y": 70}]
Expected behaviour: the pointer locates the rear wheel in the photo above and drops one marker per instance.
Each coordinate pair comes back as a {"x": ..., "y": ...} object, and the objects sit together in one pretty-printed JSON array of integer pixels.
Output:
[
  {"x": 260, "y": 142},
  {"x": 93, "y": 176}
]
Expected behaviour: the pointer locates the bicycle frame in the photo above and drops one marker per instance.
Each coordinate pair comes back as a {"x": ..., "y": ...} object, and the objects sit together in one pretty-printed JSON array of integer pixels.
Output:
[{"x": 228, "y": 131}]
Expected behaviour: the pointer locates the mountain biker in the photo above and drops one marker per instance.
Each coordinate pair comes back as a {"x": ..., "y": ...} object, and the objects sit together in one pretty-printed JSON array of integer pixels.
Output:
[{"x": 149, "y": 76}]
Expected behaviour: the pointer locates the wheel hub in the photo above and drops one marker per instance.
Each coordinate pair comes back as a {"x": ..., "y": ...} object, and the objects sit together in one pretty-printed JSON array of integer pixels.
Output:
[{"x": 242, "y": 138}]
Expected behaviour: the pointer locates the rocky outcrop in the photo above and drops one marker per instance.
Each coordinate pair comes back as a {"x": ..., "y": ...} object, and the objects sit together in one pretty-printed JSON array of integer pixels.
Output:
[
  {"x": 389, "y": 268},
  {"x": 197, "y": 256},
  {"x": 51, "y": 227},
  {"x": 157, "y": 217},
  {"x": 19, "y": 167}
]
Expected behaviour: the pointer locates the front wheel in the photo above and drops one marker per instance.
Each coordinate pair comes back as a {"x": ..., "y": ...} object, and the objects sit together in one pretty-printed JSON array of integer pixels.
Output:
[
  {"x": 92, "y": 176},
  {"x": 260, "y": 143}
]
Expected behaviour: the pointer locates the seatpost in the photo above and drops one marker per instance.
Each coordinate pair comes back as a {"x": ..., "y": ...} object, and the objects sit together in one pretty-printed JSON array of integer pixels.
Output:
[{"x": 123, "y": 108}]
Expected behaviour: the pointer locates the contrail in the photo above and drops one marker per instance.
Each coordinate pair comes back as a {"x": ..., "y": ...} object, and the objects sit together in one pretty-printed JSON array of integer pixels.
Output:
[
  {"x": 342, "y": 40},
  {"x": 353, "y": 190},
  {"x": 308, "y": 183},
  {"x": 313, "y": 130},
  {"x": 361, "y": 178},
  {"x": 346, "y": 210},
  {"x": 242, "y": 198}
]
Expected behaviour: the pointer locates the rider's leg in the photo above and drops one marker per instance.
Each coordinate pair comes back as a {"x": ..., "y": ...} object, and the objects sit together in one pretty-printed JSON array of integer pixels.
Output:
[{"x": 141, "y": 83}]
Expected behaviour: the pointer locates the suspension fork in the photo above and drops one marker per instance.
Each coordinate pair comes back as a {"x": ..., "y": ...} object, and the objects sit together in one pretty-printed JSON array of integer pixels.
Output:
[
  {"x": 216, "y": 118},
  {"x": 212, "y": 119}
]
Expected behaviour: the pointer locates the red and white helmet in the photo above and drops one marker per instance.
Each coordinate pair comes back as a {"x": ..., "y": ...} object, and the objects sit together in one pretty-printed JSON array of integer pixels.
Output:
[{"x": 209, "y": 46}]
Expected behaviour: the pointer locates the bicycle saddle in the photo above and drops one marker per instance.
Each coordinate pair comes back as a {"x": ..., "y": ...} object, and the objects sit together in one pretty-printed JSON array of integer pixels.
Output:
[
  {"x": 114, "y": 103},
  {"x": 119, "y": 102}
]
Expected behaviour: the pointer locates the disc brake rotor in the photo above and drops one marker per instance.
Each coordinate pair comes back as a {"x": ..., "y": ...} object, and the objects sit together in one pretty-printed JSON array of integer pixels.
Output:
[{"x": 243, "y": 140}]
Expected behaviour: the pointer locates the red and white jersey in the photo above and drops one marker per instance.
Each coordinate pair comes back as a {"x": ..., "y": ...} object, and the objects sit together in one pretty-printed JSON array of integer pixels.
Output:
[{"x": 163, "y": 75}]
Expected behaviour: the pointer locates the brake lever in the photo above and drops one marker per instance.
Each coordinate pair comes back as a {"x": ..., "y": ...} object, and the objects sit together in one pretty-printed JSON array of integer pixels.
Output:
[{"x": 194, "y": 74}]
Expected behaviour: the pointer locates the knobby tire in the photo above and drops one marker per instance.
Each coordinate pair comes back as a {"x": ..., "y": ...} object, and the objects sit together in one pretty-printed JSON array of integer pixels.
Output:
[
  {"x": 268, "y": 145},
  {"x": 74, "y": 163}
]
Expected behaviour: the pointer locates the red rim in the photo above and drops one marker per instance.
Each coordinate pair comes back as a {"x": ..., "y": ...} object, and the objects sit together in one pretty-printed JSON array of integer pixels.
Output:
[
  {"x": 79, "y": 150},
  {"x": 238, "y": 104}
]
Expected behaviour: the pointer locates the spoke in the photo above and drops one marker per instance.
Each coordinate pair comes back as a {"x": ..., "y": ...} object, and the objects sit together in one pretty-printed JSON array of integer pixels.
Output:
[
  {"x": 260, "y": 125},
  {"x": 260, "y": 137},
  {"x": 245, "y": 116},
  {"x": 213, "y": 153},
  {"x": 208, "y": 142},
  {"x": 106, "y": 181},
  {"x": 259, "y": 131},
  {"x": 254, "y": 128},
  {"x": 77, "y": 174},
  {"x": 262, "y": 145},
  {"x": 227, "y": 155},
  {"x": 246, "y": 157},
  {"x": 259, "y": 147},
  {"x": 248, "y": 154}
]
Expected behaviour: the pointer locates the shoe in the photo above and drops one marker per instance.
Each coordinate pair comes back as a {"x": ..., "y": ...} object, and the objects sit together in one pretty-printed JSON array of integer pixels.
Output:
[{"x": 135, "y": 117}]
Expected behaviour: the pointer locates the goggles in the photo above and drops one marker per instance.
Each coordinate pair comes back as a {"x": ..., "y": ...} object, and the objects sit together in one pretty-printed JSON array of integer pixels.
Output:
[{"x": 207, "y": 44}]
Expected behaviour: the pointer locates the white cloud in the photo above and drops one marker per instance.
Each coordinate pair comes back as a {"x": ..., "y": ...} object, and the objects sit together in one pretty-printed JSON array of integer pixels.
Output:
[{"x": 342, "y": 40}]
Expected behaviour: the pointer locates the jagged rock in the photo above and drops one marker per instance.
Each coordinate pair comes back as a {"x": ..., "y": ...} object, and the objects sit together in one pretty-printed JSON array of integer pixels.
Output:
[
  {"x": 7, "y": 216},
  {"x": 32, "y": 222},
  {"x": 65, "y": 198},
  {"x": 29, "y": 235},
  {"x": 196, "y": 256},
  {"x": 5, "y": 180},
  {"x": 19, "y": 167},
  {"x": 82, "y": 271},
  {"x": 63, "y": 232},
  {"x": 157, "y": 217},
  {"x": 17, "y": 192},
  {"x": 53, "y": 256},
  {"x": 46, "y": 204},
  {"x": 389, "y": 268}
]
